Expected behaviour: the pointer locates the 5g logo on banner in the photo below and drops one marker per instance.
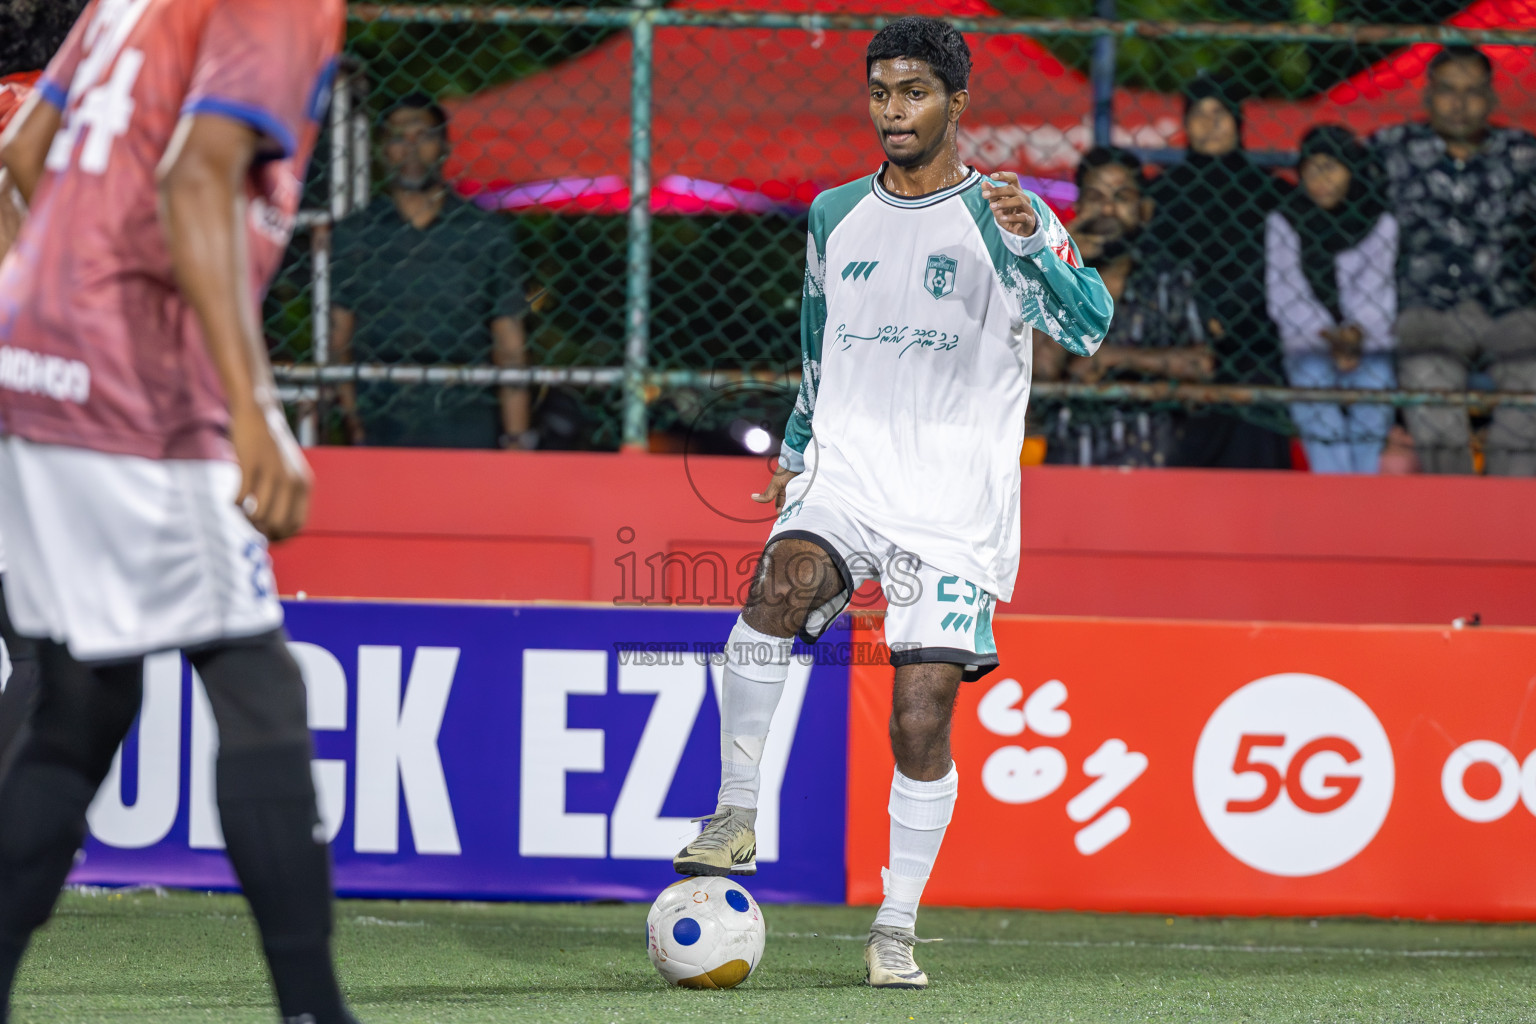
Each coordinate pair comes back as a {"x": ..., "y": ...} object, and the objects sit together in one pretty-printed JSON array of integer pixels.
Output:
[
  {"x": 1340, "y": 788},
  {"x": 1294, "y": 775}
]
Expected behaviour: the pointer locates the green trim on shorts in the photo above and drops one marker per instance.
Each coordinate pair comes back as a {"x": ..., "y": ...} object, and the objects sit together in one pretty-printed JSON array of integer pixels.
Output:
[{"x": 985, "y": 644}]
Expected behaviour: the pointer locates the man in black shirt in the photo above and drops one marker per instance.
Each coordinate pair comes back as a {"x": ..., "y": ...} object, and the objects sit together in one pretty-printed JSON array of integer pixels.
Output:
[
  {"x": 1158, "y": 332},
  {"x": 1464, "y": 194},
  {"x": 421, "y": 276}
]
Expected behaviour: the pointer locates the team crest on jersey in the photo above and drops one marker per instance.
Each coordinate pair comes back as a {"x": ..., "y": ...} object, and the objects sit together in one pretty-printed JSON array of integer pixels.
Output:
[{"x": 939, "y": 278}]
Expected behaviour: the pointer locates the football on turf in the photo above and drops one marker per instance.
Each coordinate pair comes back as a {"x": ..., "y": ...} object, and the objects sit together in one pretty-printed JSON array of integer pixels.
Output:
[{"x": 705, "y": 932}]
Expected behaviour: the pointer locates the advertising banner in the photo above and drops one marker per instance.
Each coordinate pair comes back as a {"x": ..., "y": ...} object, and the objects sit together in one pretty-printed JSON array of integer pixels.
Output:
[
  {"x": 1216, "y": 768},
  {"x": 495, "y": 752}
]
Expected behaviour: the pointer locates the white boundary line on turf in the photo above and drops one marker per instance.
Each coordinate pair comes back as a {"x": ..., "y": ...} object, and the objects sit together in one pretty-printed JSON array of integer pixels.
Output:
[{"x": 1190, "y": 947}]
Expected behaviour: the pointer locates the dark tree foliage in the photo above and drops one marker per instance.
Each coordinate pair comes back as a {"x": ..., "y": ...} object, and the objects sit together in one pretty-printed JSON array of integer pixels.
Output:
[{"x": 458, "y": 59}]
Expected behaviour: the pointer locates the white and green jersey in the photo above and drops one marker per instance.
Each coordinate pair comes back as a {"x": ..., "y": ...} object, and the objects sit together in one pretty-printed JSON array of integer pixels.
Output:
[{"x": 915, "y": 337}]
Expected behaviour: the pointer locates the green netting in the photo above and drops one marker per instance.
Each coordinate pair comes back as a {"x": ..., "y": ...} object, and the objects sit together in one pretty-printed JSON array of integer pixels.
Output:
[{"x": 751, "y": 113}]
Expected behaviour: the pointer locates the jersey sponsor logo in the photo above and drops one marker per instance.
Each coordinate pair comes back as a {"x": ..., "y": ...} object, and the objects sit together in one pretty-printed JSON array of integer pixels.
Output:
[
  {"x": 1294, "y": 775},
  {"x": 63, "y": 380},
  {"x": 939, "y": 277},
  {"x": 860, "y": 269},
  {"x": 270, "y": 221}
]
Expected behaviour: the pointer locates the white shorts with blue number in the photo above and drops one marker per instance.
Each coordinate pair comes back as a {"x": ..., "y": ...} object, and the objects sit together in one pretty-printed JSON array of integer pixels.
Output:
[
  {"x": 932, "y": 615},
  {"x": 119, "y": 556}
]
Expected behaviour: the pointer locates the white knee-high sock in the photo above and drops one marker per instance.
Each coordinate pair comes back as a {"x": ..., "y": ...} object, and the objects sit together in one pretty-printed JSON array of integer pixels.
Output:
[
  {"x": 756, "y": 666},
  {"x": 920, "y": 812}
]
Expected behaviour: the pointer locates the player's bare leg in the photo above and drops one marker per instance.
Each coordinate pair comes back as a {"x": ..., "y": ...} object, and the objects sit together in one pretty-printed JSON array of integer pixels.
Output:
[
  {"x": 923, "y": 793},
  {"x": 795, "y": 576}
]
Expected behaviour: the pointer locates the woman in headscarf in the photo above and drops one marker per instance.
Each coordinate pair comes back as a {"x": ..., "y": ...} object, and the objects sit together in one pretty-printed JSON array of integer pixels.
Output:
[
  {"x": 1210, "y": 213},
  {"x": 1331, "y": 273}
]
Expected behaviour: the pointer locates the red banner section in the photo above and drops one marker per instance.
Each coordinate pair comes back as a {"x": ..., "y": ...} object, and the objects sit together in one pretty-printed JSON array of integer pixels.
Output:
[
  {"x": 1222, "y": 768},
  {"x": 648, "y": 530}
]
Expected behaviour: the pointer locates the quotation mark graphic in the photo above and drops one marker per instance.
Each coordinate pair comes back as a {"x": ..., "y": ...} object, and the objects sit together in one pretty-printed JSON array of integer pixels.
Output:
[{"x": 1017, "y": 775}]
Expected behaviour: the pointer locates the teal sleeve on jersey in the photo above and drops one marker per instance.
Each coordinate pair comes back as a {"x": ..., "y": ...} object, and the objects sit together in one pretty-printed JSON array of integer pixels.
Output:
[
  {"x": 1044, "y": 273},
  {"x": 827, "y": 212},
  {"x": 813, "y": 321}
]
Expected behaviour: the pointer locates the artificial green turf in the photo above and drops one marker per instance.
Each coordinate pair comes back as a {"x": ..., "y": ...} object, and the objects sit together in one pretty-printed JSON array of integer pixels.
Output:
[{"x": 147, "y": 957}]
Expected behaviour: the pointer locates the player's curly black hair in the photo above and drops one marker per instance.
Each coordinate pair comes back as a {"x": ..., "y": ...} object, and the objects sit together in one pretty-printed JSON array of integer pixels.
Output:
[
  {"x": 31, "y": 31},
  {"x": 937, "y": 42}
]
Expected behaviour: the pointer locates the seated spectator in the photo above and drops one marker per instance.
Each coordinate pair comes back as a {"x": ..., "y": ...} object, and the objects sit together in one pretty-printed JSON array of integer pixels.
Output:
[
  {"x": 1331, "y": 277},
  {"x": 1157, "y": 333},
  {"x": 1464, "y": 194},
  {"x": 421, "y": 276},
  {"x": 1209, "y": 215}
]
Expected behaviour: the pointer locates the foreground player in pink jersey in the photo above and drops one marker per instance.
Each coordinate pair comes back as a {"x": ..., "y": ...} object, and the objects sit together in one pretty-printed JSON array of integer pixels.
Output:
[
  {"x": 145, "y": 460},
  {"x": 21, "y": 686}
]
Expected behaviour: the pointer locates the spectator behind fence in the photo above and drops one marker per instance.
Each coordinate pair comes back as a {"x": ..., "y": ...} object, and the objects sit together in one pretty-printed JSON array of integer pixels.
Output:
[
  {"x": 1209, "y": 213},
  {"x": 1464, "y": 194},
  {"x": 421, "y": 276},
  {"x": 1157, "y": 333},
  {"x": 1331, "y": 274}
]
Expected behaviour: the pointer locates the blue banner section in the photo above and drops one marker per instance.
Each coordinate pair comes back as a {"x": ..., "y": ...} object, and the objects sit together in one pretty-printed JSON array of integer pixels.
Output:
[{"x": 496, "y": 752}]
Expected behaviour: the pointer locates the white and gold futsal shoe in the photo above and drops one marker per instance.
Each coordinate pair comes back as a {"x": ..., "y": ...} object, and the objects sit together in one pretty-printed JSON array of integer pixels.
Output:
[
  {"x": 727, "y": 846},
  {"x": 888, "y": 958}
]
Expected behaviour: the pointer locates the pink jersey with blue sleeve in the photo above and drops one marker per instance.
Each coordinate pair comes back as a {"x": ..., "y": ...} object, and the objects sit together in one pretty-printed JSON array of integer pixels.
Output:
[{"x": 98, "y": 348}]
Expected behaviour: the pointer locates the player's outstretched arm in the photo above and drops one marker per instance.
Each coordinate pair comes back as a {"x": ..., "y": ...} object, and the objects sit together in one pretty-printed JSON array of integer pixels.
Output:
[
  {"x": 1074, "y": 307},
  {"x": 24, "y": 146},
  {"x": 202, "y": 205}
]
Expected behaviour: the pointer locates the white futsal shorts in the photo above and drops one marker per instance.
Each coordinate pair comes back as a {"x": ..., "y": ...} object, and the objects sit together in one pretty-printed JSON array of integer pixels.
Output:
[
  {"x": 118, "y": 556},
  {"x": 932, "y": 615}
]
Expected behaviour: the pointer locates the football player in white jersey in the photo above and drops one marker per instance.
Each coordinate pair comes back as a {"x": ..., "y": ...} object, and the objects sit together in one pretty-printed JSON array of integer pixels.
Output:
[{"x": 901, "y": 459}]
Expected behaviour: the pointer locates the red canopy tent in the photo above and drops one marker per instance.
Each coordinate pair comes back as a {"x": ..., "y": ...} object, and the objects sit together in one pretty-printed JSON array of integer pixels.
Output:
[{"x": 749, "y": 119}]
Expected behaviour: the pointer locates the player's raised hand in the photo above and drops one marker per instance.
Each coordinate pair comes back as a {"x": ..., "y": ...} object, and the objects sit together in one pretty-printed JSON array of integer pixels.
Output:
[
  {"x": 274, "y": 476},
  {"x": 1011, "y": 208},
  {"x": 774, "y": 492}
]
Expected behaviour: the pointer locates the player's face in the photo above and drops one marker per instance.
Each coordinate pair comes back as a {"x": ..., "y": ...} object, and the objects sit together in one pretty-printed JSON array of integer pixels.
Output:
[
  {"x": 1110, "y": 205},
  {"x": 1460, "y": 99},
  {"x": 1325, "y": 179},
  {"x": 912, "y": 113},
  {"x": 1211, "y": 128},
  {"x": 413, "y": 148}
]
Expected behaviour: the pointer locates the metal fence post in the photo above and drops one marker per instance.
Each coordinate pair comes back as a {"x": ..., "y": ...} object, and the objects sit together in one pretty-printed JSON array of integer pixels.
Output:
[
  {"x": 1102, "y": 73},
  {"x": 637, "y": 340}
]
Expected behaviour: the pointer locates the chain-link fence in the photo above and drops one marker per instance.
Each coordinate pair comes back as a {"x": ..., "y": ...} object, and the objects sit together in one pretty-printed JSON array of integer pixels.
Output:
[{"x": 584, "y": 227}]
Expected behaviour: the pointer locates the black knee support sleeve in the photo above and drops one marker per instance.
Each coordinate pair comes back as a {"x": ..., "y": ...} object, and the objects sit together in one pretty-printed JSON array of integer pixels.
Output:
[
  {"x": 82, "y": 711},
  {"x": 256, "y": 691}
]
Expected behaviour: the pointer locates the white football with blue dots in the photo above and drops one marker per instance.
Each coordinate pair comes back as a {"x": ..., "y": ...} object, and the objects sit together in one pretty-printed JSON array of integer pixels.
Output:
[{"x": 705, "y": 932}]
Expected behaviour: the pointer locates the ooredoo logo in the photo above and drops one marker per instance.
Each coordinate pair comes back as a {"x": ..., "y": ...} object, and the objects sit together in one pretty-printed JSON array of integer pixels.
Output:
[{"x": 1293, "y": 774}]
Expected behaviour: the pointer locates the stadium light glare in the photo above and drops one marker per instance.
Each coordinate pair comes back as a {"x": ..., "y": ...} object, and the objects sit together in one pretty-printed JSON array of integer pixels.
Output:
[{"x": 757, "y": 441}]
